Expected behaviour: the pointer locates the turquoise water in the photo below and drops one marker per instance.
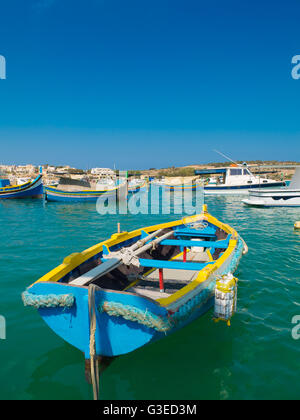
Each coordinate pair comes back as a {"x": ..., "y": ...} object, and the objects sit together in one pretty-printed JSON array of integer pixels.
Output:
[{"x": 255, "y": 358}]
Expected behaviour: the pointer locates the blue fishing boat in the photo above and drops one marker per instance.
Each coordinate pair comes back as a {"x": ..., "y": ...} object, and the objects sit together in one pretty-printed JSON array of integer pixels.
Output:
[
  {"x": 137, "y": 287},
  {"x": 81, "y": 196},
  {"x": 30, "y": 189}
]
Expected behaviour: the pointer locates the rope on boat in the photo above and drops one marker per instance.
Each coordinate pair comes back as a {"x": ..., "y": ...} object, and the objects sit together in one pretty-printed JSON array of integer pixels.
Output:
[
  {"x": 150, "y": 320},
  {"x": 131, "y": 313},
  {"x": 48, "y": 301},
  {"x": 93, "y": 324}
]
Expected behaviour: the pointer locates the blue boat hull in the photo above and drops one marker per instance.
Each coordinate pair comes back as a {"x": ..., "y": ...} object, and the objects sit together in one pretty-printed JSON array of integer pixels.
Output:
[
  {"x": 32, "y": 189},
  {"x": 54, "y": 194}
]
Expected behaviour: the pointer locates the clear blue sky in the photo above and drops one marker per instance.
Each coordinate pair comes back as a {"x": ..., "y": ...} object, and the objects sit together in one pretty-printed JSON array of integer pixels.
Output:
[{"x": 148, "y": 83}]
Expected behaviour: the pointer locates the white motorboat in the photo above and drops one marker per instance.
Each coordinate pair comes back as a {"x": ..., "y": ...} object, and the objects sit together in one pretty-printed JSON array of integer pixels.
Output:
[
  {"x": 236, "y": 179},
  {"x": 280, "y": 197}
]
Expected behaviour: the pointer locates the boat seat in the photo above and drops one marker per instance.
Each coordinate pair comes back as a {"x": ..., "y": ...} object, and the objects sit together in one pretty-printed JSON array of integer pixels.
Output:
[
  {"x": 208, "y": 232},
  {"x": 96, "y": 272},
  {"x": 203, "y": 244},
  {"x": 174, "y": 279},
  {"x": 176, "y": 265}
]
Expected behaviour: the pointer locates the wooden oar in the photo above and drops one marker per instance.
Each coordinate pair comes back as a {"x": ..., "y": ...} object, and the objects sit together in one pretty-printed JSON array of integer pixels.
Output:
[{"x": 141, "y": 242}]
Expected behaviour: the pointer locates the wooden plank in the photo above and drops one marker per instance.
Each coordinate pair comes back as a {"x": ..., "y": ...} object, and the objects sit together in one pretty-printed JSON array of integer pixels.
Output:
[{"x": 96, "y": 272}]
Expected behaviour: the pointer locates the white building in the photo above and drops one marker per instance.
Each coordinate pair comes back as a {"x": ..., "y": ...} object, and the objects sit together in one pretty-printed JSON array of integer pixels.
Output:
[{"x": 102, "y": 171}]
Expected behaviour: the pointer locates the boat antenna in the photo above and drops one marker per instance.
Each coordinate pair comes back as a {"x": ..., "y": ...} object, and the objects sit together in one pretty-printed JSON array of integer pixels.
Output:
[{"x": 226, "y": 157}]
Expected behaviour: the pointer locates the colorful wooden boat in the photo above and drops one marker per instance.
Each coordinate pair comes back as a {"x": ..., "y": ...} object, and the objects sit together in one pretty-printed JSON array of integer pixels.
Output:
[
  {"x": 178, "y": 187},
  {"x": 31, "y": 189},
  {"x": 82, "y": 196},
  {"x": 135, "y": 188},
  {"x": 137, "y": 287}
]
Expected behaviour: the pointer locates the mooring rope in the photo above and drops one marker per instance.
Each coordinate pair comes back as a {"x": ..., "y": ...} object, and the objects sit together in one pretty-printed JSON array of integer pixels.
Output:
[{"x": 93, "y": 357}]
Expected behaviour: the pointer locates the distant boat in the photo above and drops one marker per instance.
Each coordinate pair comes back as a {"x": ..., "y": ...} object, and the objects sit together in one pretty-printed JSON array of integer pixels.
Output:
[
  {"x": 52, "y": 184},
  {"x": 136, "y": 185},
  {"x": 236, "y": 179},
  {"x": 80, "y": 196},
  {"x": 30, "y": 189},
  {"x": 280, "y": 197},
  {"x": 137, "y": 287}
]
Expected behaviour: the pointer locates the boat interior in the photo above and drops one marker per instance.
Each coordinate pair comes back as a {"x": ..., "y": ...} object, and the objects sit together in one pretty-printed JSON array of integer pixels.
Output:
[{"x": 163, "y": 269}]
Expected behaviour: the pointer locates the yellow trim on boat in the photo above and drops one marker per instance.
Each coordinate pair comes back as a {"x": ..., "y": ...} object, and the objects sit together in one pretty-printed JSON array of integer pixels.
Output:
[
  {"x": 209, "y": 255},
  {"x": 82, "y": 192},
  {"x": 11, "y": 187}
]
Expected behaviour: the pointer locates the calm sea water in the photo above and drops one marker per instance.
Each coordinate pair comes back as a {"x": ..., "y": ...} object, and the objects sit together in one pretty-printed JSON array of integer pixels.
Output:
[{"x": 255, "y": 358}]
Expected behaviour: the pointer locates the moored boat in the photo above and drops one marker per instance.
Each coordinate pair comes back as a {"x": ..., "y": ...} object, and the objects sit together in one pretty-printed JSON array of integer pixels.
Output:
[
  {"x": 236, "y": 179},
  {"x": 30, "y": 189},
  {"x": 136, "y": 186},
  {"x": 77, "y": 194},
  {"x": 280, "y": 197},
  {"x": 139, "y": 286}
]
